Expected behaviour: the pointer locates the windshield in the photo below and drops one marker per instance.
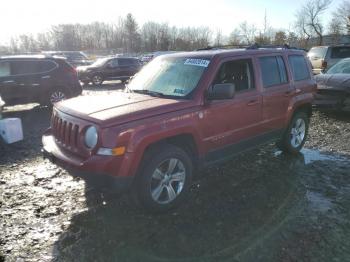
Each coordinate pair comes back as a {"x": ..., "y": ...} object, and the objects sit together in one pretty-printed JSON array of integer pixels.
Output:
[
  {"x": 342, "y": 67},
  {"x": 170, "y": 76},
  {"x": 100, "y": 61}
]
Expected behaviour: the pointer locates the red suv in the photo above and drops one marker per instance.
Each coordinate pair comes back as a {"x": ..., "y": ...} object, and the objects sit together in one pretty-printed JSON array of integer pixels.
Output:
[{"x": 181, "y": 113}]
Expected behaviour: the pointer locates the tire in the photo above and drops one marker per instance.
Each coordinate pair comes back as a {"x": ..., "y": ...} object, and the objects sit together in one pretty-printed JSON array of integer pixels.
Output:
[
  {"x": 156, "y": 189},
  {"x": 97, "y": 79},
  {"x": 295, "y": 136},
  {"x": 57, "y": 95}
]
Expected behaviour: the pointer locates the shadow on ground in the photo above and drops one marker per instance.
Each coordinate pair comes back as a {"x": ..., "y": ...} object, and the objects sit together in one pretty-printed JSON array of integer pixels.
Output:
[{"x": 261, "y": 206}]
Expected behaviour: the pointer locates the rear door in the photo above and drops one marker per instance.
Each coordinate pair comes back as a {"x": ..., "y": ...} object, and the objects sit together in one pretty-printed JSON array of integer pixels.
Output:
[
  {"x": 277, "y": 91},
  {"x": 128, "y": 67},
  {"x": 27, "y": 80}
]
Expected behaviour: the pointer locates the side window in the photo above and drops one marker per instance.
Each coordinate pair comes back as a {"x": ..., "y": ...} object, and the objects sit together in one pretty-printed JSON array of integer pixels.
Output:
[
  {"x": 273, "y": 70},
  {"x": 125, "y": 62},
  {"x": 238, "y": 72},
  {"x": 299, "y": 67},
  {"x": 24, "y": 67},
  {"x": 46, "y": 66},
  {"x": 5, "y": 69},
  {"x": 114, "y": 62}
]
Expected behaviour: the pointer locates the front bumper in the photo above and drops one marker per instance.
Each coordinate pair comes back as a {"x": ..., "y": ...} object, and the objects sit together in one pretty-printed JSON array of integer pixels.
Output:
[{"x": 100, "y": 171}]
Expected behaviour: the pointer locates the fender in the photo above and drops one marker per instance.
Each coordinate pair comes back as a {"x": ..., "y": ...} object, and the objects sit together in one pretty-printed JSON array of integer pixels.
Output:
[{"x": 297, "y": 102}]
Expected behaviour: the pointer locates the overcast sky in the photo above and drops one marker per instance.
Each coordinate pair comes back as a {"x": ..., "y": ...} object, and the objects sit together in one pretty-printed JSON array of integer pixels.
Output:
[{"x": 33, "y": 16}]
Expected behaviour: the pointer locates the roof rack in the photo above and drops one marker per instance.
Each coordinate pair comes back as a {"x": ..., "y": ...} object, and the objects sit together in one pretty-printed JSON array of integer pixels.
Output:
[{"x": 248, "y": 47}]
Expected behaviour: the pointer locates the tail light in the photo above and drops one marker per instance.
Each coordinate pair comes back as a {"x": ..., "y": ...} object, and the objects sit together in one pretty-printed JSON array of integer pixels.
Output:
[
  {"x": 70, "y": 70},
  {"x": 324, "y": 64}
]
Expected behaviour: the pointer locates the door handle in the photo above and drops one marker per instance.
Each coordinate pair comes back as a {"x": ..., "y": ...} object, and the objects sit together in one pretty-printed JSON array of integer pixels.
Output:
[
  {"x": 252, "y": 102},
  {"x": 45, "y": 77},
  {"x": 8, "y": 82}
]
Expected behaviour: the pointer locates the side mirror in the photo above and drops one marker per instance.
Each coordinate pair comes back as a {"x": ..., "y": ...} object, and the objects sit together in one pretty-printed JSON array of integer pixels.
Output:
[{"x": 221, "y": 91}]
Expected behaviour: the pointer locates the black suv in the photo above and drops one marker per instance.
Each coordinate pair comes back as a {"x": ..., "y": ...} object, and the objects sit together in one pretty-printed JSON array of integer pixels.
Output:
[
  {"x": 37, "y": 79},
  {"x": 75, "y": 58},
  {"x": 109, "y": 68}
]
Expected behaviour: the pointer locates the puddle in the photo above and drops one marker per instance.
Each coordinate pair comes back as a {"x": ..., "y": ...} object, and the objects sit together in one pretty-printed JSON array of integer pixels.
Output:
[
  {"x": 318, "y": 202},
  {"x": 311, "y": 155}
]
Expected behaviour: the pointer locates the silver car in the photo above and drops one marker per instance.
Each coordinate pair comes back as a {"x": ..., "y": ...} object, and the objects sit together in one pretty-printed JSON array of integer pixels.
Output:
[{"x": 323, "y": 57}]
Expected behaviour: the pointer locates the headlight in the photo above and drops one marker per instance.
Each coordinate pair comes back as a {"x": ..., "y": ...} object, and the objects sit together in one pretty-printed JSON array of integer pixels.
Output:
[{"x": 91, "y": 137}]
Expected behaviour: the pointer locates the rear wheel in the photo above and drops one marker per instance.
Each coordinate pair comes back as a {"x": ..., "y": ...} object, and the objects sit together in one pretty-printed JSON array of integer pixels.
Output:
[
  {"x": 295, "y": 136},
  {"x": 97, "y": 80},
  {"x": 165, "y": 178}
]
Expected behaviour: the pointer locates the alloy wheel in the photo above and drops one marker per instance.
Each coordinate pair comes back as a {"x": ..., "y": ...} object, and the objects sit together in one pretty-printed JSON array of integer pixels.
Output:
[
  {"x": 57, "y": 96},
  {"x": 168, "y": 180},
  {"x": 297, "y": 133}
]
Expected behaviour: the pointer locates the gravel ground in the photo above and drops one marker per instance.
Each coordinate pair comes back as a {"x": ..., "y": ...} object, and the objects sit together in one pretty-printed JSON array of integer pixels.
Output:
[{"x": 261, "y": 206}]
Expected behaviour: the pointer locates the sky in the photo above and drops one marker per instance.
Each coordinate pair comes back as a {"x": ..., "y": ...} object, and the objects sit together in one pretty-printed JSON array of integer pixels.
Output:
[{"x": 33, "y": 16}]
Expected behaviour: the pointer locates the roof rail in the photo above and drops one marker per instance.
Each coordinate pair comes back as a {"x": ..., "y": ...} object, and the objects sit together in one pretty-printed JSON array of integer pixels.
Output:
[
  {"x": 257, "y": 46},
  {"x": 221, "y": 47},
  {"x": 248, "y": 47}
]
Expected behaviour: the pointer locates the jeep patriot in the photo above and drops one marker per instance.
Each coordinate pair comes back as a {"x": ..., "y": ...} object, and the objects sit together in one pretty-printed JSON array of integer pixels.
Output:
[{"x": 180, "y": 113}]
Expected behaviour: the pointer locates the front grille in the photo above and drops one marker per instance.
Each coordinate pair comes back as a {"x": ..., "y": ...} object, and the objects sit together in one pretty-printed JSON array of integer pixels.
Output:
[{"x": 65, "y": 133}]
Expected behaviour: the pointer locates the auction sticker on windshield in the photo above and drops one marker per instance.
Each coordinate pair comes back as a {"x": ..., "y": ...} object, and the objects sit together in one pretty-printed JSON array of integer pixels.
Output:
[{"x": 197, "y": 62}]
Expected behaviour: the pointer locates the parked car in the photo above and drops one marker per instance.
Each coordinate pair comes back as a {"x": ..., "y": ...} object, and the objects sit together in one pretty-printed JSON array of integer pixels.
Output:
[
  {"x": 184, "y": 112},
  {"x": 323, "y": 57},
  {"x": 333, "y": 87},
  {"x": 37, "y": 79},
  {"x": 109, "y": 68},
  {"x": 75, "y": 58}
]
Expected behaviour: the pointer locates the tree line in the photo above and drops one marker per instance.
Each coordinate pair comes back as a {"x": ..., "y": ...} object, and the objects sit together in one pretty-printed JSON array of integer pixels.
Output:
[{"x": 127, "y": 36}]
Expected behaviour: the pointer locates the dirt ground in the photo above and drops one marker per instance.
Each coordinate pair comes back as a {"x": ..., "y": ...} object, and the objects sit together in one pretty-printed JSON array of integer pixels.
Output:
[{"x": 261, "y": 206}]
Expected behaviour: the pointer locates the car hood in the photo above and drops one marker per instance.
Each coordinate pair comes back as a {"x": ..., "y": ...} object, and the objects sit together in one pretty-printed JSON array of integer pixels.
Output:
[
  {"x": 119, "y": 108},
  {"x": 333, "y": 81}
]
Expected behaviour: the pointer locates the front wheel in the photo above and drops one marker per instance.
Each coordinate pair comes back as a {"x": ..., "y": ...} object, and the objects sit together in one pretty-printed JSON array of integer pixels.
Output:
[
  {"x": 295, "y": 136},
  {"x": 97, "y": 80},
  {"x": 165, "y": 178}
]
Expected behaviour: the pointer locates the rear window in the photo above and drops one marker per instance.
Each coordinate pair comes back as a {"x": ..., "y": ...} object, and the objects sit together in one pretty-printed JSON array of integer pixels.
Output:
[
  {"x": 340, "y": 52},
  {"x": 317, "y": 52},
  {"x": 299, "y": 67},
  {"x": 273, "y": 70},
  {"x": 46, "y": 66},
  {"x": 24, "y": 67},
  {"x": 124, "y": 61},
  {"x": 5, "y": 69}
]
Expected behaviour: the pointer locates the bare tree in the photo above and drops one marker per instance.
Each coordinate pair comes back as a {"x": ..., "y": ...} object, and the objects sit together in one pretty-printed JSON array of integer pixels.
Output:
[
  {"x": 309, "y": 17},
  {"x": 248, "y": 32},
  {"x": 341, "y": 18}
]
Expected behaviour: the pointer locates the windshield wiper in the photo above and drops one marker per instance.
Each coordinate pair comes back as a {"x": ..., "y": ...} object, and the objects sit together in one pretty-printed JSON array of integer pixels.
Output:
[{"x": 148, "y": 92}]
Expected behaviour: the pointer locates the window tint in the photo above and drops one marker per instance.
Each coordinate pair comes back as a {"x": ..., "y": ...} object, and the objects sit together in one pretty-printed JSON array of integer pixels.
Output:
[
  {"x": 340, "y": 52},
  {"x": 5, "y": 69},
  {"x": 317, "y": 52},
  {"x": 125, "y": 62},
  {"x": 24, "y": 67},
  {"x": 238, "y": 72},
  {"x": 273, "y": 70},
  {"x": 113, "y": 63},
  {"x": 46, "y": 66},
  {"x": 299, "y": 67}
]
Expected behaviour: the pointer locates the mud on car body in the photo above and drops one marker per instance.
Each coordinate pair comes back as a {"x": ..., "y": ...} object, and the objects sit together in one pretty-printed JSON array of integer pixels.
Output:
[{"x": 183, "y": 112}]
